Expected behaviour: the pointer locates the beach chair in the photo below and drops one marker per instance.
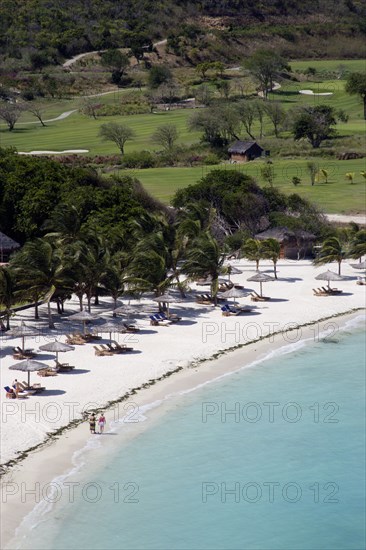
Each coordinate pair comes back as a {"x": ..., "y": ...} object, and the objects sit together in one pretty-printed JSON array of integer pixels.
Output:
[
  {"x": 35, "y": 387},
  {"x": 155, "y": 321},
  {"x": 120, "y": 348},
  {"x": 100, "y": 352},
  {"x": 227, "y": 312},
  {"x": 74, "y": 339},
  {"x": 173, "y": 317},
  {"x": 63, "y": 367},
  {"x": 361, "y": 281},
  {"x": 10, "y": 395},
  {"x": 51, "y": 371},
  {"x": 332, "y": 290},
  {"x": 131, "y": 328},
  {"x": 202, "y": 299},
  {"x": 319, "y": 292},
  {"x": 255, "y": 297}
]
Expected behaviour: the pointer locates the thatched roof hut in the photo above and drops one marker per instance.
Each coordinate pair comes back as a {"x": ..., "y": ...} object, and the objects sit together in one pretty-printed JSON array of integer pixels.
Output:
[
  {"x": 7, "y": 245},
  {"x": 294, "y": 243},
  {"x": 243, "y": 151}
]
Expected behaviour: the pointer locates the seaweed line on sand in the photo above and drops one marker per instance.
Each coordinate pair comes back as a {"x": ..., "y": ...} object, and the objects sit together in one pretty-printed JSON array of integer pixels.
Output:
[{"x": 52, "y": 436}]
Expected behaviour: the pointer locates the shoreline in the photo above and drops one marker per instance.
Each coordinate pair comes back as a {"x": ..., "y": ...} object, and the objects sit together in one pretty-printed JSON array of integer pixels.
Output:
[{"x": 55, "y": 457}]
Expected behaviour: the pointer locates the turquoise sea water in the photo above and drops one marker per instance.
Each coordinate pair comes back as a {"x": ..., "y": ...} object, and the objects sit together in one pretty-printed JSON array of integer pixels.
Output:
[{"x": 285, "y": 471}]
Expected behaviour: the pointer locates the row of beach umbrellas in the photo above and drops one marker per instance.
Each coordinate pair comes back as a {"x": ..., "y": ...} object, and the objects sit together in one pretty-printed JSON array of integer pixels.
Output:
[{"x": 23, "y": 330}]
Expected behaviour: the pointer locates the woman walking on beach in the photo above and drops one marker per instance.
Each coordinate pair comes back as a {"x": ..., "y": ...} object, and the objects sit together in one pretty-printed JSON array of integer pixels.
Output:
[
  {"x": 101, "y": 423},
  {"x": 92, "y": 421}
]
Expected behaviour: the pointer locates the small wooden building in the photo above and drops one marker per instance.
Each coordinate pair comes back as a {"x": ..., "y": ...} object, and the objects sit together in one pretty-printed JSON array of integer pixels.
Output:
[
  {"x": 7, "y": 246},
  {"x": 294, "y": 244},
  {"x": 244, "y": 151}
]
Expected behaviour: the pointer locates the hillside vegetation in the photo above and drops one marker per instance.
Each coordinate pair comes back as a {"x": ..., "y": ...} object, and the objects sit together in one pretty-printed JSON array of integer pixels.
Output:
[{"x": 37, "y": 32}]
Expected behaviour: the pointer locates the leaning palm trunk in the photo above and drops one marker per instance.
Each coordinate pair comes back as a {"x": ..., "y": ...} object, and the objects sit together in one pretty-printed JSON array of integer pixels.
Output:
[{"x": 214, "y": 288}]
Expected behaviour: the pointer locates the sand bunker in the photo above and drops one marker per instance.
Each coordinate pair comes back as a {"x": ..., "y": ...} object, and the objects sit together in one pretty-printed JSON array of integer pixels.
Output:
[
  {"x": 310, "y": 92},
  {"x": 54, "y": 152}
]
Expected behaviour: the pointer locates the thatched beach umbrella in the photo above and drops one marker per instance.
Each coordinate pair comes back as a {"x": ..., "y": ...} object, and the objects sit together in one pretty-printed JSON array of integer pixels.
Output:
[
  {"x": 56, "y": 347},
  {"x": 233, "y": 293},
  {"x": 260, "y": 278},
  {"x": 109, "y": 327},
  {"x": 232, "y": 270},
  {"x": 29, "y": 366},
  {"x": 360, "y": 265},
  {"x": 22, "y": 331},
  {"x": 329, "y": 276},
  {"x": 83, "y": 316},
  {"x": 167, "y": 299}
]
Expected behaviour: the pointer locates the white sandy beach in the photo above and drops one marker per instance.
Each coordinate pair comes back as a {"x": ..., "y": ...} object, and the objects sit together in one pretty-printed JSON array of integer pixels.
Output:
[{"x": 202, "y": 333}]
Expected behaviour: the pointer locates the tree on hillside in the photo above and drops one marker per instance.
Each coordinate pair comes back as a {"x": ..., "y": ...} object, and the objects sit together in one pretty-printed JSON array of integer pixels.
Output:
[
  {"x": 117, "y": 61},
  {"x": 265, "y": 65},
  {"x": 276, "y": 114},
  {"x": 356, "y": 85},
  {"x": 166, "y": 136},
  {"x": 89, "y": 107},
  {"x": 118, "y": 133},
  {"x": 159, "y": 74},
  {"x": 314, "y": 124},
  {"x": 9, "y": 113},
  {"x": 37, "y": 110},
  {"x": 247, "y": 113}
]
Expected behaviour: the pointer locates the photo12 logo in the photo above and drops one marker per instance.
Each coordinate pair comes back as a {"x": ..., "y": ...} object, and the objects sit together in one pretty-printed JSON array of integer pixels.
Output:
[
  {"x": 252, "y": 492},
  {"x": 90, "y": 492},
  {"x": 269, "y": 411}
]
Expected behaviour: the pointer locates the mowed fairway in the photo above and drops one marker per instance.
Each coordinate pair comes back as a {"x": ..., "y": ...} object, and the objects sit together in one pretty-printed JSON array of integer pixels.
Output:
[
  {"x": 81, "y": 132},
  {"x": 338, "y": 195}
]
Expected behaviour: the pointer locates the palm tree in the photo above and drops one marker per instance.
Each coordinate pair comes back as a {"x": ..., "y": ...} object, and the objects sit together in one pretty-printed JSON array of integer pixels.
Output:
[
  {"x": 332, "y": 250},
  {"x": 39, "y": 271},
  {"x": 253, "y": 251},
  {"x": 114, "y": 279},
  {"x": 271, "y": 249},
  {"x": 204, "y": 259},
  {"x": 7, "y": 292},
  {"x": 64, "y": 224},
  {"x": 357, "y": 247},
  {"x": 86, "y": 263}
]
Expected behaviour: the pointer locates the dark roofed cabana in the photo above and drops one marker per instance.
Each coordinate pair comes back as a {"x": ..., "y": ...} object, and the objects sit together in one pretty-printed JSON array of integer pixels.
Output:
[
  {"x": 294, "y": 244},
  {"x": 244, "y": 151},
  {"x": 7, "y": 246}
]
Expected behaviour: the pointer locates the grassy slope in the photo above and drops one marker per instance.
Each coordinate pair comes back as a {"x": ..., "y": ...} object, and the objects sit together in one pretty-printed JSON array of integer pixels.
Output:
[
  {"x": 79, "y": 131},
  {"x": 338, "y": 195}
]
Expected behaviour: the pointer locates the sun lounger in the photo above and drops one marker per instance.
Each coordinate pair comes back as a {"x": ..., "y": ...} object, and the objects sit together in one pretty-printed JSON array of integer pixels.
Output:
[
  {"x": 10, "y": 394},
  {"x": 227, "y": 310},
  {"x": 74, "y": 339},
  {"x": 173, "y": 317},
  {"x": 119, "y": 348},
  {"x": 255, "y": 297},
  {"x": 202, "y": 299},
  {"x": 131, "y": 328},
  {"x": 63, "y": 367},
  {"x": 51, "y": 371},
  {"x": 100, "y": 352},
  {"x": 37, "y": 388},
  {"x": 332, "y": 290},
  {"x": 361, "y": 281},
  {"x": 156, "y": 321},
  {"x": 319, "y": 292}
]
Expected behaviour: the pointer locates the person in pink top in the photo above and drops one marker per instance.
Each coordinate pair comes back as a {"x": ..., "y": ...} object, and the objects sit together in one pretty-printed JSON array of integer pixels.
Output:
[{"x": 101, "y": 423}]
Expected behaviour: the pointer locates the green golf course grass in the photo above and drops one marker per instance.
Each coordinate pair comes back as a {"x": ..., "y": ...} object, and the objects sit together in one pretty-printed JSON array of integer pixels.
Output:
[
  {"x": 81, "y": 132},
  {"x": 336, "y": 196}
]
